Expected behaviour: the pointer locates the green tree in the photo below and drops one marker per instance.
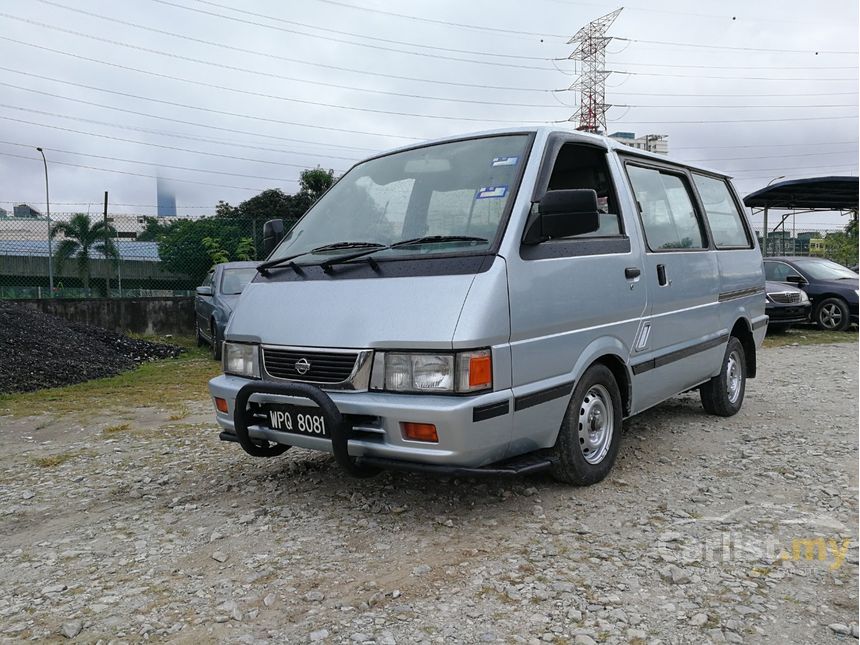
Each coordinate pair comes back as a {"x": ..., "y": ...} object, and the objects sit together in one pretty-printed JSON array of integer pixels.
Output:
[
  {"x": 315, "y": 181},
  {"x": 216, "y": 253},
  {"x": 80, "y": 238},
  {"x": 842, "y": 246},
  {"x": 182, "y": 248},
  {"x": 245, "y": 249}
]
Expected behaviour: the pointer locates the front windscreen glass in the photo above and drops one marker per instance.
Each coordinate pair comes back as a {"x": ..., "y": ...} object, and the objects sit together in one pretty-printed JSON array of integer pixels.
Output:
[
  {"x": 235, "y": 280},
  {"x": 458, "y": 189},
  {"x": 825, "y": 270}
]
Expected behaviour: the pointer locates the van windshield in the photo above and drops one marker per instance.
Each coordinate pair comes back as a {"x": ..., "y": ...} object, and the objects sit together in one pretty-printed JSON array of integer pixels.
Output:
[{"x": 448, "y": 190}]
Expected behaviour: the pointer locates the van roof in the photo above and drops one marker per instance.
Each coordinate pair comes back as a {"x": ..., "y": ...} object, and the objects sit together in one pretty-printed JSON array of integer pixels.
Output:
[{"x": 546, "y": 130}]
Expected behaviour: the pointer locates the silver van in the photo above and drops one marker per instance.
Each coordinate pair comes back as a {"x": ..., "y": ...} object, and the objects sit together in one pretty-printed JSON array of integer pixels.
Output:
[{"x": 494, "y": 304}]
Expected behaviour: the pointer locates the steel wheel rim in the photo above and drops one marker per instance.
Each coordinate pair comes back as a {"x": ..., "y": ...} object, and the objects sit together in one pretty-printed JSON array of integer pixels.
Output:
[
  {"x": 830, "y": 316},
  {"x": 596, "y": 424},
  {"x": 733, "y": 377}
]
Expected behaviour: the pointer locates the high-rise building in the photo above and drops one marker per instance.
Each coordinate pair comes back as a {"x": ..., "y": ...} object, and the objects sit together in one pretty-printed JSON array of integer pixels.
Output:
[
  {"x": 658, "y": 143},
  {"x": 165, "y": 198}
]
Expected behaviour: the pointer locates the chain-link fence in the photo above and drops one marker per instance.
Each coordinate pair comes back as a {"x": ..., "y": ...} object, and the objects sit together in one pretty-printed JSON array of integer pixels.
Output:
[
  {"x": 85, "y": 256},
  {"x": 81, "y": 256}
]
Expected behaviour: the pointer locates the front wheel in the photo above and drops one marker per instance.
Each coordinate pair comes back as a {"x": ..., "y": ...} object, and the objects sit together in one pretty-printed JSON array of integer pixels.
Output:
[
  {"x": 723, "y": 395},
  {"x": 832, "y": 314},
  {"x": 216, "y": 343},
  {"x": 590, "y": 433}
]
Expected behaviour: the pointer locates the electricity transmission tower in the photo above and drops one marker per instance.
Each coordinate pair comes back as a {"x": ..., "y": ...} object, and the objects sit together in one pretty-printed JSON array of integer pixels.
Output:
[{"x": 591, "y": 84}]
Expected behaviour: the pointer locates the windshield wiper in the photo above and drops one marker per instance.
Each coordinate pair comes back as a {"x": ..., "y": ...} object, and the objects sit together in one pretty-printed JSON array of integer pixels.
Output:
[
  {"x": 436, "y": 239},
  {"x": 288, "y": 261}
]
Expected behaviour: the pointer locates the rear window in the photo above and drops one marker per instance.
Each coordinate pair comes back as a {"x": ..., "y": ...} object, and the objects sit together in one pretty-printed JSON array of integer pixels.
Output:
[{"x": 724, "y": 218}]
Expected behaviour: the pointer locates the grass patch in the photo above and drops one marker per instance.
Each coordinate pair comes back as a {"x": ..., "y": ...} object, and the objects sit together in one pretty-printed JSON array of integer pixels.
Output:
[
  {"x": 112, "y": 430},
  {"x": 181, "y": 413},
  {"x": 167, "y": 383},
  {"x": 52, "y": 461},
  {"x": 809, "y": 336}
]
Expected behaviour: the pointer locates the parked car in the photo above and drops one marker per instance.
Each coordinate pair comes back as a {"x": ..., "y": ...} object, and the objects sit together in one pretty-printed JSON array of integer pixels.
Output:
[
  {"x": 494, "y": 304},
  {"x": 785, "y": 306},
  {"x": 831, "y": 287},
  {"x": 216, "y": 298}
]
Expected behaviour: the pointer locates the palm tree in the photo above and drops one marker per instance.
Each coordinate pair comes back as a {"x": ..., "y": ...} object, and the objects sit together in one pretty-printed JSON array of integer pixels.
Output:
[{"x": 81, "y": 237}]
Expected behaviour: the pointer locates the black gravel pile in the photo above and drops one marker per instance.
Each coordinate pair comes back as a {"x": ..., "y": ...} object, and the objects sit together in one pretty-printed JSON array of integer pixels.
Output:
[{"x": 38, "y": 351}]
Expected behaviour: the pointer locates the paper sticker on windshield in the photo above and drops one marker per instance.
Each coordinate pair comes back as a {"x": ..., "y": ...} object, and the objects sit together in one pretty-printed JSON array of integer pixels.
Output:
[
  {"x": 491, "y": 192},
  {"x": 505, "y": 161}
]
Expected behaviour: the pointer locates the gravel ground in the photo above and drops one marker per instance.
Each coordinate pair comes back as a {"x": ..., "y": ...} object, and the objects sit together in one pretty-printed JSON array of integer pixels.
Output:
[
  {"x": 154, "y": 530},
  {"x": 38, "y": 350}
]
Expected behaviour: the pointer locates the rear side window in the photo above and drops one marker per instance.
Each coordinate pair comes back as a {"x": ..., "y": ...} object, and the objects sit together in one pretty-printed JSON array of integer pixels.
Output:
[
  {"x": 724, "y": 218},
  {"x": 667, "y": 211}
]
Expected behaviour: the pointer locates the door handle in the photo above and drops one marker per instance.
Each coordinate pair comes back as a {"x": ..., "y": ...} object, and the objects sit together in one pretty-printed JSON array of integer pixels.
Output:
[
  {"x": 662, "y": 280},
  {"x": 632, "y": 272}
]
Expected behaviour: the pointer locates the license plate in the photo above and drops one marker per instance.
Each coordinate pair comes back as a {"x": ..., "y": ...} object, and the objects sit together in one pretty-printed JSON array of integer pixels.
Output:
[{"x": 296, "y": 419}]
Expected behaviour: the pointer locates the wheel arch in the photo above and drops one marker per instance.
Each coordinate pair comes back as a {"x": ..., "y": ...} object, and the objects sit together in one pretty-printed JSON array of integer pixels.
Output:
[
  {"x": 612, "y": 353},
  {"x": 742, "y": 330}
]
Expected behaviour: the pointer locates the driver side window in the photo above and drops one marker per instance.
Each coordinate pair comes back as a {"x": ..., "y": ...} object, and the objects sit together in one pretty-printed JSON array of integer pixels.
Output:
[{"x": 778, "y": 271}]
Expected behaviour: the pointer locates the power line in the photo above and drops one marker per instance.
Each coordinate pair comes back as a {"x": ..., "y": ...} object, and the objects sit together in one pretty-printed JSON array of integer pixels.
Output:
[
  {"x": 806, "y": 154},
  {"x": 769, "y": 145},
  {"x": 95, "y": 201},
  {"x": 447, "y": 23},
  {"x": 731, "y": 78},
  {"x": 165, "y": 147},
  {"x": 733, "y": 107},
  {"x": 632, "y": 64},
  {"x": 238, "y": 91},
  {"x": 812, "y": 118},
  {"x": 727, "y": 47},
  {"x": 272, "y": 55},
  {"x": 831, "y": 166},
  {"x": 149, "y": 163},
  {"x": 792, "y": 95},
  {"x": 376, "y": 38},
  {"x": 349, "y": 42},
  {"x": 174, "y": 104},
  {"x": 134, "y": 174},
  {"x": 246, "y": 70},
  {"x": 173, "y": 134}
]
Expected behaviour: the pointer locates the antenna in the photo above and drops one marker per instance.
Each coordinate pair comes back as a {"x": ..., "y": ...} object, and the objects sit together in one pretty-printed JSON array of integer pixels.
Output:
[{"x": 591, "y": 84}]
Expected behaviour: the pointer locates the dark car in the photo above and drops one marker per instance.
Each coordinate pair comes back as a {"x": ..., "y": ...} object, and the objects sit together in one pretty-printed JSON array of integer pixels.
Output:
[
  {"x": 831, "y": 287},
  {"x": 785, "y": 306},
  {"x": 216, "y": 298}
]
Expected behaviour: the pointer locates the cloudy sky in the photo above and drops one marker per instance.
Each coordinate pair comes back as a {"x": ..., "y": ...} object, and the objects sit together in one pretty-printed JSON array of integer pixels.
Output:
[{"x": 228, "y": 98}]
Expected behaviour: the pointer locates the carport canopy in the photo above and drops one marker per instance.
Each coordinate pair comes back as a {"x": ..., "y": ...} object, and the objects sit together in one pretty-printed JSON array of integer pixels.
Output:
[{"x": 815, "y": 193}]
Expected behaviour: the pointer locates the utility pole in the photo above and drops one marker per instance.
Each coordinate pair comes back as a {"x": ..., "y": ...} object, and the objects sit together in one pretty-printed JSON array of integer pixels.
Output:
[
  {"x": 107, "y": 247},
  {"x": 48, "y": 209},
  {"x": 591, "y": 84}
]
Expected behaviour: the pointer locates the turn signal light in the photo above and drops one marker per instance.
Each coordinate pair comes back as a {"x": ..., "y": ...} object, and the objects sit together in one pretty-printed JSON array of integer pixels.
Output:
[
  {"x": 221, "y": 405},
  {"x": 419, "y": 432},
  {"x": 480, "y": 371}
]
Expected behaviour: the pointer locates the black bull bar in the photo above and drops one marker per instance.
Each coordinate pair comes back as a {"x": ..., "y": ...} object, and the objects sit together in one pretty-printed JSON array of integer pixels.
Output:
[{"x": 341, "y": 430}]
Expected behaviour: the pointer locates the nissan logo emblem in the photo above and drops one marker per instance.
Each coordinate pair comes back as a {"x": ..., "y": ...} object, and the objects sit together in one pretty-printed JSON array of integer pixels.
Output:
[{"x": 302, "y": 366}]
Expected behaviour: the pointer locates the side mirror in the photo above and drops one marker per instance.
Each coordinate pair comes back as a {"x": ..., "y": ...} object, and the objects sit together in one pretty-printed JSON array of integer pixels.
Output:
[
  {"x": 795, "y": 279},
  {"x": 563, "y": 213},
  {"x": 273, "y": 233},
  {"x": 204, "y": 291}
]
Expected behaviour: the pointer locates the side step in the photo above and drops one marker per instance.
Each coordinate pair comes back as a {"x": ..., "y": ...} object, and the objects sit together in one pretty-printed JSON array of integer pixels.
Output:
[
  {"x": 518, "y": 466},
  {"x": 228, "y": 436}
]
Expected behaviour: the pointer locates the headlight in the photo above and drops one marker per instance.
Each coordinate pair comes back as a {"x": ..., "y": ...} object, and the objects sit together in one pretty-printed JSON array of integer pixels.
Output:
[
  {"x": 463, "y": 372},
  {"x": 804, "y": 297},
  {"x": 242, "y": 359}
]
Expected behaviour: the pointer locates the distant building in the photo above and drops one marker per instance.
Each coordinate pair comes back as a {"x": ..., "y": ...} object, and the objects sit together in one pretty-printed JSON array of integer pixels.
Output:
[
  {"x": 24, "y": 210},
  {"x": 165, "y": 198},
  {"x": 658, "y": 143}
]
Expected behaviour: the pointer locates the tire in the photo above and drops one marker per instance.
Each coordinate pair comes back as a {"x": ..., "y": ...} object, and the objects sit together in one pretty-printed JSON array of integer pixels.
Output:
[
  {"x": 831, "y": 314},
  {"x": 723, "y": 395},
  {"x": 585, "y": 456},
  {"x": 216, "y": 342}
]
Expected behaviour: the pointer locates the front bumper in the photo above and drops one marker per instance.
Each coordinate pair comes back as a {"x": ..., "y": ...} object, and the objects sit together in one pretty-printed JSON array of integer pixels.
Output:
[
  {"x": 473, "y": 431},
  {"x": 788, "y": 313}
]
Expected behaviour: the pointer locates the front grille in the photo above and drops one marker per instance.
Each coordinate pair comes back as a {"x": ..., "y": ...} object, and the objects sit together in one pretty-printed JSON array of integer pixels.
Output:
[
  {"x": 325, "y": 367},
  {"x": 785, "y": 297}
]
